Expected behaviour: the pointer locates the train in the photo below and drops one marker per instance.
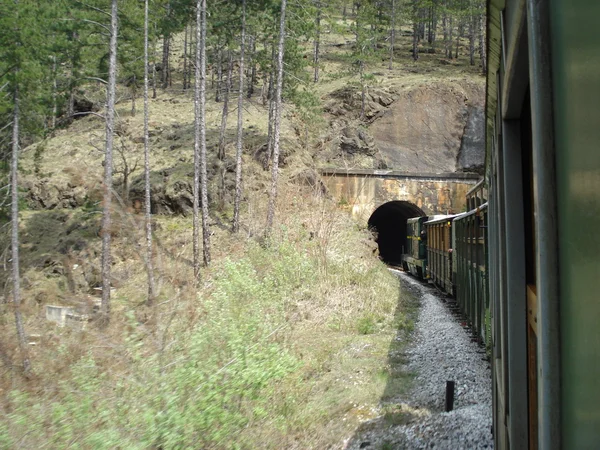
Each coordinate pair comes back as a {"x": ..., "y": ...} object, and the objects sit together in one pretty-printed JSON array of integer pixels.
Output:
[
  {"x": 543, "y": 177},
  {"x": 451, "y": 252},
  {"x": 525, "y": 264}
]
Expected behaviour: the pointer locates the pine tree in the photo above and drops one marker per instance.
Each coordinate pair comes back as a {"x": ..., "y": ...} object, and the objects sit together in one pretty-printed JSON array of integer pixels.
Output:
[
  {"x": 24, "y": 61},
  {"x": 108, "y": 166},
  {"x": 197, "y": 137},
  {"x": 203, "y": 164},
  {"x": 147, "y": 202},
  {"x": 240, "y": 129},
  {"x": 277, "y": 124}
]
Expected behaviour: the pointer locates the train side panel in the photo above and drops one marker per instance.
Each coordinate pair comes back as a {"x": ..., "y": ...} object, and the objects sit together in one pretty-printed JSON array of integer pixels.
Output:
[
  {"x": 470, "y": 271},
  {"x": 439, "y": 253},
  {"x": 414, "y": 259}
]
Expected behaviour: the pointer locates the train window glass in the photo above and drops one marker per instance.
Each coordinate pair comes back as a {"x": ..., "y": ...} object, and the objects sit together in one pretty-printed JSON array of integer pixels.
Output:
[{"x": 528, "y": 202}]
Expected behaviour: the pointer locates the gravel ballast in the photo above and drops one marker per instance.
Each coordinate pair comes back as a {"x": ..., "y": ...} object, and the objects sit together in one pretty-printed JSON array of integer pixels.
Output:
[{"x": 441, "y": 350}]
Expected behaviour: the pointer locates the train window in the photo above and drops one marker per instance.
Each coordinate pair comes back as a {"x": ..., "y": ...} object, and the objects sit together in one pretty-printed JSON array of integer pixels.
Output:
[
  {"x": 528, "y": 202},
  {"x": 530, "y": 265}
]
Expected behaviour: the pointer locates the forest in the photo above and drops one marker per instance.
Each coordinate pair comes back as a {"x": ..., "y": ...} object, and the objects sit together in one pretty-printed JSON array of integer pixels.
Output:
[{"x": 214, "y": 325}]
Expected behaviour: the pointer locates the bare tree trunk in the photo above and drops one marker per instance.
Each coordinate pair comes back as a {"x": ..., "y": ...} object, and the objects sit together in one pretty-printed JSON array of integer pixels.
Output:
[
  {"x": 108, "y": 167},
  {"x": 252, "y": 63},
  {"x": 197, "y": 118},
  {"x": 223, "y": 130},
  {"x": 14, "y": 170},
  {"x": 240, "y": 129},
  {"x": 415, "y": 43},
  {"x": 165, "y": 61},
  {"x": 472, "y": 40},
  {"x": 317, "y": 42},
  {"x": 392, "y": 34},
  {"x": 482, "y": 54},
  {"x": 185, "y": 54},
  {"x": 416, "y": 30},
  {"x": 203, "y": 169},
  {"x": 147, "y": 203},
  {"x": 54, "y": 94},
  {"x": 363, "y": 93},
  {"x": 219, "y": 73},
  {"x": 154, "y": 69},
  {"x": 271, "y": 90},
  {"x": 200, "y": 170},
  {"x": 449, "y": 48},
  {"x": 457, "y": 43},
  {"x": 224, "y": 115},
  {"x": 430, "y": 25},
  {"x": 272, "y": 113},
  {"x": 71, "y": 103},
  {"x": 133, "y": 91},
  {"x": 277, "y": 125},
  {"x": 445, "y": 28}
]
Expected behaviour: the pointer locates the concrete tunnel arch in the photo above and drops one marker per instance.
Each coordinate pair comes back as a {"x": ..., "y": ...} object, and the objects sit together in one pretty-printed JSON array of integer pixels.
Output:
[{"x": 389, "y": 222}]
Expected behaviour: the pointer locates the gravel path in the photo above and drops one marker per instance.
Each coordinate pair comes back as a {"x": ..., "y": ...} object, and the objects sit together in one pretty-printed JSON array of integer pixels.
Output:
[{"x": 441, "y": 350}]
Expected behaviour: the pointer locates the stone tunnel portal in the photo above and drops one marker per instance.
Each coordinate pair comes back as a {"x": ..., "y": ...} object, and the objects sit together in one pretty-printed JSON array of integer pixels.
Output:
[{"x": 389, "y": 222}]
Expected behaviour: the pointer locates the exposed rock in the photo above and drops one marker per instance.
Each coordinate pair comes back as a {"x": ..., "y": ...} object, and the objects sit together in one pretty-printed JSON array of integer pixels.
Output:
[
  {"x": 56, "y": 195},
  {"x": 310, "y": 178},
  {"x": 347, "y": 102},
  {"x": 82, "y": 106},
  {"x": 422, "y": 130},
  {"x": 171, "y": 192},
  {"x": 356, "y": 141},
  {"x": 471, "y": 157},
  {"x": 261, "y": 156}
]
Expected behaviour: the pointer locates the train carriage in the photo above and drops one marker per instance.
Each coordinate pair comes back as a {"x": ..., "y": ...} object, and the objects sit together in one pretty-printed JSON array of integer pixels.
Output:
[
  {"x": 439, "y": 252},
  {"x": 543, "y": 176},
  {"x": 469, "y": 235},
  {"x": 414, "y": 259}
]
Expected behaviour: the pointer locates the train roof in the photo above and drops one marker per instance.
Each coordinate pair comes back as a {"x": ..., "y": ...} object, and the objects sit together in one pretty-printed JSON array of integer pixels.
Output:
[
  {"x": 416, "y": 219},
  {"x": 473, "y": 211},
  {"x": 440, "y": 218}
]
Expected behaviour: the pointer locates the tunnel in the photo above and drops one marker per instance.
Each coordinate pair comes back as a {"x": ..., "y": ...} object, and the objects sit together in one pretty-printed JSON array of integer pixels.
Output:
[{"x": 389, "y": 223}]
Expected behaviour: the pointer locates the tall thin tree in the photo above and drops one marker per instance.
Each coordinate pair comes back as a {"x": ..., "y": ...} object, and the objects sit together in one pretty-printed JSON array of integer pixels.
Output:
[
  {"x": 108, "y": 166},
  {"x": 14, "y": 169},
  {"x": 277, "y": 124},
  {"x": 200, "y": 188},
  {"x": 317, "y": 42},
  {"x": 225, "y": 111},
  {"x": 240, "y": 129},
  {"x": 203, "y": 168},
  {"x": 392, "y": 34},
  {"x": 197, "y": 118},
  {"x": 147, "y": 202}
]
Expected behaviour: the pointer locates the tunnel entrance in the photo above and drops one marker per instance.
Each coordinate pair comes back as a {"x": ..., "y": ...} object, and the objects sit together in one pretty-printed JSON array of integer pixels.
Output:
[{"x": 389, "y": 221}]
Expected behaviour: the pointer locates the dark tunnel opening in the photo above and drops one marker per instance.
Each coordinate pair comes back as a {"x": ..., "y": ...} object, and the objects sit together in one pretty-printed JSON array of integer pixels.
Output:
[{"x": 389, "y": 222}]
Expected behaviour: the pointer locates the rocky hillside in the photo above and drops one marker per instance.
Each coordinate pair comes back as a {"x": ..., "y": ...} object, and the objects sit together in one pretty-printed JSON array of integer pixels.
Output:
[
  {"x": 424, "y": 116},
  {"x": 413, "y": 125}
]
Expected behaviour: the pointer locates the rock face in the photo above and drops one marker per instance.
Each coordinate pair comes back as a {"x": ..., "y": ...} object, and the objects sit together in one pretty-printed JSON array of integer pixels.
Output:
[
  {"x": 354, "y": 140},
  {"x": 347, "y": 102},
  {"x": 423, "y": 130},
  {"x": 471, "y": 157}
]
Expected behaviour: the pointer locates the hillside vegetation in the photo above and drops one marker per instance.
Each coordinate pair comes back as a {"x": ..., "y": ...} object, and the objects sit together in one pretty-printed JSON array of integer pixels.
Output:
[{"x": 287, "y": 340}]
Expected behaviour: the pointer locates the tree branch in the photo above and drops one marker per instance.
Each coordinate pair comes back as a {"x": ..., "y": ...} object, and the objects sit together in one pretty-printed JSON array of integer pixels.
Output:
[{"x": 101, "y": 11}]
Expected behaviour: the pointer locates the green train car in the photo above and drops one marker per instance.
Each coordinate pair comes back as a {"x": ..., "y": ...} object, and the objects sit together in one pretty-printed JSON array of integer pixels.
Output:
[
  {"x": 414, "y": 258},
  {"x": 543, "y": 179},
  {"x": 439, "y": 253},
  {"x": 470, "y": 270}
]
